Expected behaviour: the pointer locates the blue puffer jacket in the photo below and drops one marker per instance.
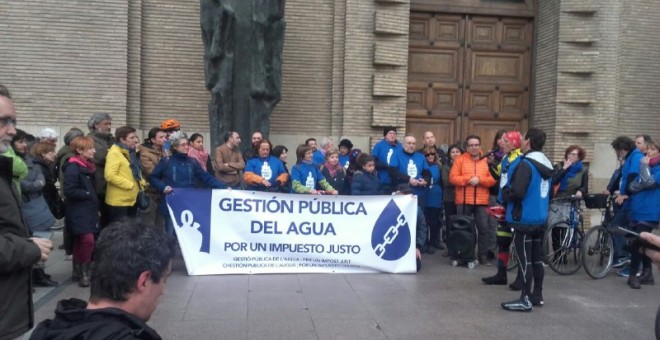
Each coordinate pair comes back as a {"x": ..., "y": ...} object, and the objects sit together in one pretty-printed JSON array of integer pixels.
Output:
[
  {"x": 180, "y": 171},
  {"x": 365, "y": 183}
]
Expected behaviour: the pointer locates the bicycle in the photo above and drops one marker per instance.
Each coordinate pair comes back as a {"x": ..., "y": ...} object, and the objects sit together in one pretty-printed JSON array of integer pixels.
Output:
[
  {"x": 598, "y": 246},
  {"x": 563, "y": 240}
]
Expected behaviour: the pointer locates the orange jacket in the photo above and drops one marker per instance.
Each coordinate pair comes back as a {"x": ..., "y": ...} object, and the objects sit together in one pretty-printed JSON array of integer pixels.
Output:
[{"x": 465, "y": 168}]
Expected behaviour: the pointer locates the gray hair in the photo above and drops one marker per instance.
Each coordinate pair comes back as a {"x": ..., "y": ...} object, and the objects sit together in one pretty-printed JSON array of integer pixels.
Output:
[
  {"x": 96, "y": 119},
  {"x": 48, "y": 133},
  {"x": 326, "y": 141},
  {"x": 175, "y": 139},
  {"x": 71, "y": 134}
]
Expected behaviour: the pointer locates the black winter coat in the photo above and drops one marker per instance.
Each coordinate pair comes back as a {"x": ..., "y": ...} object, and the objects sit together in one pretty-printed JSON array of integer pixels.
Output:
[
  {"x": 50, "y": 190},
  {"x": 81, "y": 203},
  {"x": 17, "y": 255},
  {"x": 74, "y": 321},
  {"x": 339, "y": 182}
]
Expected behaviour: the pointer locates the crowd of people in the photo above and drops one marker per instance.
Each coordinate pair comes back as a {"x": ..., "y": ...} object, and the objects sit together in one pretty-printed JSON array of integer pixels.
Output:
[{"x": 105, "y": 178}]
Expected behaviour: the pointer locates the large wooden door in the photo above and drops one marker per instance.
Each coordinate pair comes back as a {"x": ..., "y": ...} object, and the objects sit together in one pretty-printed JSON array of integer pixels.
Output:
[{"x": 468, "y": 75}]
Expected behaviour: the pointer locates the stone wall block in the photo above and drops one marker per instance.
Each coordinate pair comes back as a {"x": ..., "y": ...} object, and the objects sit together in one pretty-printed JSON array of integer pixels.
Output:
[
  {"x": 389, "y": 20},
  {"x": 388, "y": 51}
]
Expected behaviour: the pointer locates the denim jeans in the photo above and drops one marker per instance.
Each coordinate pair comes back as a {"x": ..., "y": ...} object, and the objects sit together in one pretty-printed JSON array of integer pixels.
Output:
[{"x": 620, "y": 219}]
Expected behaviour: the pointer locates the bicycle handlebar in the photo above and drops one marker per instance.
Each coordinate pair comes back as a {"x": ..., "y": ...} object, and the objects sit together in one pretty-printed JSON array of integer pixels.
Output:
[{"x": 567, "y": 199}]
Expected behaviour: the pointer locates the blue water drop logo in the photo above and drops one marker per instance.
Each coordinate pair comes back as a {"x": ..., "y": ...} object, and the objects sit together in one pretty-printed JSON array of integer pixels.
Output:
[{"x": 390, "y": 238}]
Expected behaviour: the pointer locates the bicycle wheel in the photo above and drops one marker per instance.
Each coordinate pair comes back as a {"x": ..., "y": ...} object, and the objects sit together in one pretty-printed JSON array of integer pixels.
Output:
[
  {"x": 562, "y": 244},
  {"x": 597, "y": 252},
  {"x": 513, "y": 259}
]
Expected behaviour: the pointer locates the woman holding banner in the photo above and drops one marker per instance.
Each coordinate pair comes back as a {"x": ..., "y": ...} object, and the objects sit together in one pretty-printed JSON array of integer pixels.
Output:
[
  {"x": 179, "y": 171},
  {"x": 265, "y": 172},
  {"x": 306, "y": 177}
]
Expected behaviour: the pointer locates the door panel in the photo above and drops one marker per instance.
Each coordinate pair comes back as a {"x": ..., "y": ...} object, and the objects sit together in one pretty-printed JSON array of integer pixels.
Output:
[
  {"x": 468, "y": 75},
  {"x": 444, "y": 130}
]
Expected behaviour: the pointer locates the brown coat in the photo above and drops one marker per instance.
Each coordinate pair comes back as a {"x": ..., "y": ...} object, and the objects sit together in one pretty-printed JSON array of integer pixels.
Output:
[
  {"x": 465, "y": 168},
  {"x": 149, "y": 158},
  {"x": 228, "y": 165}
]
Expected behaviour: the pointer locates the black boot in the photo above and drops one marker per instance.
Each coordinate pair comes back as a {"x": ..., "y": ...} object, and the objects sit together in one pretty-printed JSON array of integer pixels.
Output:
[
  {"x": 647, "y": 277},
  {"x": 76, "y": 270},
  {"x": 437, "y": 244},
  {"x": 633, "y": 281},
  {"x": 428, "y": 249},
  {"x": 523, "y": 304},
  {"x": 83, "y": 281},
  {"x": 497, "y": 279},
  {"x": 39, "y": 278},
  {"x": 517, "y": 284},
  {"x": 537, "y": 298}
]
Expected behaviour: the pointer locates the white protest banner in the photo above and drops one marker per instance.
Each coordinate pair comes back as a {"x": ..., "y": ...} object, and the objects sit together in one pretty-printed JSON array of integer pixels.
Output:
[{"x": 246, "y": 232}]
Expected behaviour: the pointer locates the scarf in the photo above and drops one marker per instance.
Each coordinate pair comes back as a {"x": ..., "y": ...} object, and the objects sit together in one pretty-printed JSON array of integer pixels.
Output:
[
  {"x": 85, "y": 163},
  {"x": 654, "y": 161},
  {"x": 572, "y": 170},
  {"x": 202, "y": 156},
  {"x": 133, "y": 161},
  {"x": 499, "y": 154},
  {"x": 332, "y": 169}
]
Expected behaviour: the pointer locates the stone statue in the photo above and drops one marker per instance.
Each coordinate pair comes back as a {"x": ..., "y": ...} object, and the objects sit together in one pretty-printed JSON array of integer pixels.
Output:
[{"x": 243, "y": 42}]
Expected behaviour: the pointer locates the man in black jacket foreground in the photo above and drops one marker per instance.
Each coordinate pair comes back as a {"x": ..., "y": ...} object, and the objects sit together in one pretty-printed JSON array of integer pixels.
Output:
[
  {"x": 18, "y": 252},
  {"x": 132, "y": 264}
]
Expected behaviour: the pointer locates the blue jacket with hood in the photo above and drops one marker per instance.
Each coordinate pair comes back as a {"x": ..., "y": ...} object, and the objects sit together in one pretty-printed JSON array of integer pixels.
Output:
[{"x": 528, "y": 193}]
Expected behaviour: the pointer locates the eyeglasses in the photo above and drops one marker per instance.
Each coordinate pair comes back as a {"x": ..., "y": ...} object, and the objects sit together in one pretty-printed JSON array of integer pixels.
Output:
[
  {"x": 473, "y": 145},
  {"x": 430, "y": 154},
  {"x": 6, "y": 121}
]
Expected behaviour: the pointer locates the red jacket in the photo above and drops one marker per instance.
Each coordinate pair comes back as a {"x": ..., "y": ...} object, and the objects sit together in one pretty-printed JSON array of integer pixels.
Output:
[{"x": 465, "y": 168}]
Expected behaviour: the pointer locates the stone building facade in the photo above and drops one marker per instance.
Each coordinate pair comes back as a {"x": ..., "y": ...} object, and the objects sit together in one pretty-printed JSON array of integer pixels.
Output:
[{"x": 593, "y": 68}]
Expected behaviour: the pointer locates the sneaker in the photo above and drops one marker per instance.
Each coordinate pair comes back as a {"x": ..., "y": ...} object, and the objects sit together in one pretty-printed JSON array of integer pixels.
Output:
[
  {"x": 68, "y": 257},
  {"x": 621, "y": 262},
  {"x": 59, "y": 225},
  {"x": 521, "y": 305},
  {"x": 625, "y": 272}
]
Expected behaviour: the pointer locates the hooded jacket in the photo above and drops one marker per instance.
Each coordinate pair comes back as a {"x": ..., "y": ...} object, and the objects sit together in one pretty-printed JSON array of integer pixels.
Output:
[
  {"x": 74, "y": 321},
  {"x": 528, "y": 194}
]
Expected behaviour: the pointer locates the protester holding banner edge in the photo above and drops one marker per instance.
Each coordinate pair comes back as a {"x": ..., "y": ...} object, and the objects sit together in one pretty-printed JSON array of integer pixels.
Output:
[
  {"x": 265, "y": 172},
  {"x": 179, "y": 171}
]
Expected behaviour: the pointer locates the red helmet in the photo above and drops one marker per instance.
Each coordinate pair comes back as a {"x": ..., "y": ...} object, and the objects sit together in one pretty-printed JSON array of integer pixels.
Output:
[{"x": 498, "y": 212}]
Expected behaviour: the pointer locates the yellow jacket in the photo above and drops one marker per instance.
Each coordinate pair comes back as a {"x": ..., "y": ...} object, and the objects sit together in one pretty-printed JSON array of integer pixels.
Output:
[{"x": 122, "y": 188}]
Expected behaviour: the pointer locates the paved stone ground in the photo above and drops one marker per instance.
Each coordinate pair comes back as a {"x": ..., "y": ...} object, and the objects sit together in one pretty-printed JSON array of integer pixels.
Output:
[{"x": 440, "y": 302}]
